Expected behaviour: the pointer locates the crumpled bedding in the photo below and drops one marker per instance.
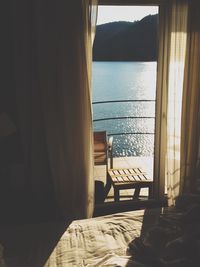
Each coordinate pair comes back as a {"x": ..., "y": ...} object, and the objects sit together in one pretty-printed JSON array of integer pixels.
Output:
[
  {"x": 162, "y": 237},
  {"x": 174, "y": 241},
  {"x": 98, "y": 241},
  {"x": 104, "y": 241}
]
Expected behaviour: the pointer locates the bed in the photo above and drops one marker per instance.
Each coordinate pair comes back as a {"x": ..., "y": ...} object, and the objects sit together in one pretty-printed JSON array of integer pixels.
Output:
[
  {"x": 144, "y": 238},
  {"x": 154, "y": 237}
]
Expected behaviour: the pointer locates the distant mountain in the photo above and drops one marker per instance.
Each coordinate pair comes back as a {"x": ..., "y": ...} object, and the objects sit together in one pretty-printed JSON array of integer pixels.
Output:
[{"x": 127, "y": 41}]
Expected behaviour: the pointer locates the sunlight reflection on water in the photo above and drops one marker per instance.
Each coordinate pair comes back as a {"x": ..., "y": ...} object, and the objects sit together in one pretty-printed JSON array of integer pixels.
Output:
[{"x": 122, "y": 81}]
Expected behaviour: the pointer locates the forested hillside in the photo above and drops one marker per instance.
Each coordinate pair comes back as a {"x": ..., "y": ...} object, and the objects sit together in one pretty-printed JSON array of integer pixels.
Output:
[{"x": 127, "y": 41}]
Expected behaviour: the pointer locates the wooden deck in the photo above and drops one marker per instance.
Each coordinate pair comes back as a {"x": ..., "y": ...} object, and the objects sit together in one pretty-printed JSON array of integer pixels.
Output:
[{"x": 146, "y": 163}]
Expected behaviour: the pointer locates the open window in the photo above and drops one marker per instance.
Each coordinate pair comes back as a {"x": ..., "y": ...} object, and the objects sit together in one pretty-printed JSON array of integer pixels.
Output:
[{"x": 125, "y": 97}]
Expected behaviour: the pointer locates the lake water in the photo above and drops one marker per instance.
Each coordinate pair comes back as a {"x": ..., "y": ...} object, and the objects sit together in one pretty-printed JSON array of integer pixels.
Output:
[{"x": 126, "y": 81}]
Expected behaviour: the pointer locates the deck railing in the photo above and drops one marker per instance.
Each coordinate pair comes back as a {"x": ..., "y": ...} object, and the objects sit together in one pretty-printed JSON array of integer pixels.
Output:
[{"x": 124, "y": 117}]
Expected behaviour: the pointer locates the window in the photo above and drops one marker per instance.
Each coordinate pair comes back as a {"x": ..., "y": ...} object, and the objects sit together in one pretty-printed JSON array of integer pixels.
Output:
[{"x": 124, "y": 81}]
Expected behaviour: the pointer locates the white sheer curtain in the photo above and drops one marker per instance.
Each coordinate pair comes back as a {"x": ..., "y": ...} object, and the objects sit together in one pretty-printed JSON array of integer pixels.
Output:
[
  {"x": 177, "y": 56},
  {"x": 171, "y": 62},
  {"x": 53, "y": 54},
  {"x": 178, "y": 78}
]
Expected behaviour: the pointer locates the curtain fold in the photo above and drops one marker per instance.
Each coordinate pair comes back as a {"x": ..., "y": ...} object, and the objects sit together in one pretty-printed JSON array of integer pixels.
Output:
[
  {"x": 53, "y": 58},
  {"x": 161, "y": 101}
]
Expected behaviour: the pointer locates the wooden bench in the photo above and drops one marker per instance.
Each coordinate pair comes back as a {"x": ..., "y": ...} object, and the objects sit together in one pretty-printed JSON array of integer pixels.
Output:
[{"x": 129, "y": 178}]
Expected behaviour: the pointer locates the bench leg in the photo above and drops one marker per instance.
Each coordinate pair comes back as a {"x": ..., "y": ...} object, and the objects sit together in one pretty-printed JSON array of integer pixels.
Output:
[
  {"x": 151, "y": 191},
  {"x": 108, "y": 184},
  {"x": 107, "y": 188},
  {"x": 116, "y": 194},
  {"x": 136, "y": 193}
]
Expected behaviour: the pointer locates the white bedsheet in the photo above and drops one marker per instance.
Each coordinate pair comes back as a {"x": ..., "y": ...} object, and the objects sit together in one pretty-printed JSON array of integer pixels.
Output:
[{"x": 98, "y": 241}]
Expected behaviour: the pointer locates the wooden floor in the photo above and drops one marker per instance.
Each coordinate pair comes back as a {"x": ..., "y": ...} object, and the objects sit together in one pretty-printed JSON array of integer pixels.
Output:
[{"x": 146, "y": 163}]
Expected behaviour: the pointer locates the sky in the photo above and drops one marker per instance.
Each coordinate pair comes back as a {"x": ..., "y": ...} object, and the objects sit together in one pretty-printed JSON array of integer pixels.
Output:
[{"x": 124, "y": 13}]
